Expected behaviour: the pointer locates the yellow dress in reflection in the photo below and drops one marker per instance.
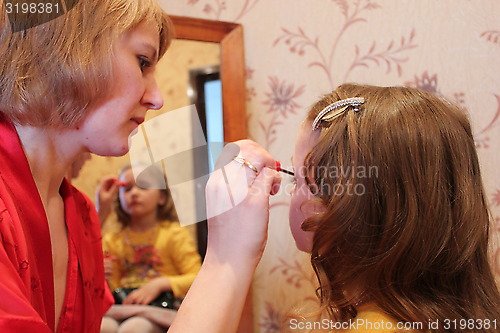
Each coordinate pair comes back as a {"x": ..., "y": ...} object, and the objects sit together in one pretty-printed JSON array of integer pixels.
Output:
[{"x": 166, "y": 250}]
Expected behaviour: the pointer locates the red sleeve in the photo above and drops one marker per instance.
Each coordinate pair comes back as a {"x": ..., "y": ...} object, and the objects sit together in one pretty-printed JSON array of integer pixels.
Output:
[{"x": 16, "y": 311}]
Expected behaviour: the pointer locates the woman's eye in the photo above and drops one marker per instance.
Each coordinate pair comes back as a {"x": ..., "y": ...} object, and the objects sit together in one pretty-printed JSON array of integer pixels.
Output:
[{"x": 144, "y": 63}]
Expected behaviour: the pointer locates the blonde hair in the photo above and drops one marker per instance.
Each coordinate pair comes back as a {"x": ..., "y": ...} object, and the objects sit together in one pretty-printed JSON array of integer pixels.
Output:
[
  {"x": 51, "y": 73},
  {"x": 415, "y": 242}
]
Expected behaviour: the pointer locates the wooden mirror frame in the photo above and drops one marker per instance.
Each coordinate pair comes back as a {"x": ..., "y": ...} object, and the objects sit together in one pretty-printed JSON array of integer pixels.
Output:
[
  {"x": 232, "y": 74},
  {"x": 232, "y": 67}
]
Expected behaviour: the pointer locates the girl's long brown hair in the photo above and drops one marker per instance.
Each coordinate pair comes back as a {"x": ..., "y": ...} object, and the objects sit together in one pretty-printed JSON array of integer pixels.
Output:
[{"x": 411, "y": 233}]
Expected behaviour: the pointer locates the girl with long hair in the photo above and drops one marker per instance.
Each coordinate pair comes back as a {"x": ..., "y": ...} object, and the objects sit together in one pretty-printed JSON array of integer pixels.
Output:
[
  {"x": 388, "y": 200},
  {"x": 151, "y": 255}
]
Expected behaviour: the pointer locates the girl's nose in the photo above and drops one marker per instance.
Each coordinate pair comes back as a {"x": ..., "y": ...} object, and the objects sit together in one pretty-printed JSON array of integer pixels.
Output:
[{"x": 134, "y": 190}]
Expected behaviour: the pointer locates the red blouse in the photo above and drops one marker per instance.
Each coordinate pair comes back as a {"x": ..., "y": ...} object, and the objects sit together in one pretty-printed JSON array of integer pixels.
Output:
[{"x": 26, "y": 277}]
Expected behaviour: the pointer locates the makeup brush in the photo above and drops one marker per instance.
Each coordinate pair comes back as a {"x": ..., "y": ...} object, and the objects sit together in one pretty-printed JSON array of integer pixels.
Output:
[{"x": 279, "y": 168}]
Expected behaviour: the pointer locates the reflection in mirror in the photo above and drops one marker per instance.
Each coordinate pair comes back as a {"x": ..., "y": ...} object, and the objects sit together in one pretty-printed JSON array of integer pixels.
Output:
[
  {"x": 221, "y": 44},
  {"x": 175, "y": 73},
  {"x": 205, "y": 92},
  {"x": 173, "y": 77}
]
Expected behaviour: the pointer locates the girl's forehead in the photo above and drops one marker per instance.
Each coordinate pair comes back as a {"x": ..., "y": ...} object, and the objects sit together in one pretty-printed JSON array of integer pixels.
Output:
[
  {"x": 127, "y": 174},
  {"x": 306, "y": 138}
]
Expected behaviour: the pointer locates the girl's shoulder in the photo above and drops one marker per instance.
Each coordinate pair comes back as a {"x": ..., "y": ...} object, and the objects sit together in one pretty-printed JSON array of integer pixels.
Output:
[
  {"x": 112, "y": 236},
  {"x": 174, "y": 233},
  {"x": 372, "y": 319},
  {"x": 169, "y": 226}
]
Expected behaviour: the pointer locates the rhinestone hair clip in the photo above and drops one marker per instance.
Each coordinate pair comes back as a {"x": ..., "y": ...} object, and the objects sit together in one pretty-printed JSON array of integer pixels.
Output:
[{"x": 355, "y": 102}]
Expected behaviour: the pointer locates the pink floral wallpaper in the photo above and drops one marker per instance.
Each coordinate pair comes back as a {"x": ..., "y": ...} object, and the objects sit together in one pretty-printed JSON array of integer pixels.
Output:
[{"x": 297, "y": 50}]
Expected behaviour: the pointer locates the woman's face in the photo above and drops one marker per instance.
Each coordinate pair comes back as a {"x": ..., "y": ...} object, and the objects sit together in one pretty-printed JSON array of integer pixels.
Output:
[
  {"x": 305, "y": 141},
  {"x": 106, "y": 129},
  {"x": 136, "y": 201}
]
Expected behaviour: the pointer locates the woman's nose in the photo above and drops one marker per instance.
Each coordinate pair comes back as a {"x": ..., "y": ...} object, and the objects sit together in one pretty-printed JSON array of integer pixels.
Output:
[{"x": 152, "y": 97}]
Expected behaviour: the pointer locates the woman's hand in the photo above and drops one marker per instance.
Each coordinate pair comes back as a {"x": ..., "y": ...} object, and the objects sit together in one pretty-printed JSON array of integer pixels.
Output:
[
  {"x": 238, "y": 214},
  {"x": 147, "y": 293},
  {"x": 238, "y": 203},
  {"x": 105, "y": 196}
]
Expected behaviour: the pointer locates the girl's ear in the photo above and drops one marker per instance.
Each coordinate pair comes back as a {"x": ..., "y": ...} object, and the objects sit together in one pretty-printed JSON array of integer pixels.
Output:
[
  {"x": 163, "y": 199},
  {"x": 313, "y": 206}
]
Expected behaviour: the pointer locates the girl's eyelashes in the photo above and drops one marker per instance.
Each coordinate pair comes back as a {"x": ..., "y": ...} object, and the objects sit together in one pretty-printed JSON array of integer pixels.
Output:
[{"x": 144, "y": 62}]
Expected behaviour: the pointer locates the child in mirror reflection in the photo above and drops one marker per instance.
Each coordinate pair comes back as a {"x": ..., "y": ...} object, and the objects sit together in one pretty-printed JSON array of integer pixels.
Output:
[{"x": 151, "y": 254}]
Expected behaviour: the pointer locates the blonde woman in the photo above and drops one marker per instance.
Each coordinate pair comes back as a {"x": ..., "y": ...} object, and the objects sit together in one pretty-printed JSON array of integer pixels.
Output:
[{"x": 79, "y": 83}]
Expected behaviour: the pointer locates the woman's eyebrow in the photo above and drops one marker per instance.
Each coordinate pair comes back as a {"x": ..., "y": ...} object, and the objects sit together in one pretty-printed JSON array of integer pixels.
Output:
[{"x": 152, "y": 49}]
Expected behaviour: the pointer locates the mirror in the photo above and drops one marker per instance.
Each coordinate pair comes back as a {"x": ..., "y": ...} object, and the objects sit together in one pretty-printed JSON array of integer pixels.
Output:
[
  {"x": 228, "y": 41},
  {"x": 229, "y": 38},
  {"x": 200, "y": 37},
  {"x": 232, "y": 67}
]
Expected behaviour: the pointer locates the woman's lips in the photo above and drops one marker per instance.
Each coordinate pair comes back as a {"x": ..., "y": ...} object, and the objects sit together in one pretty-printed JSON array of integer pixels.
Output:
[{"x": 138, "y": 120}]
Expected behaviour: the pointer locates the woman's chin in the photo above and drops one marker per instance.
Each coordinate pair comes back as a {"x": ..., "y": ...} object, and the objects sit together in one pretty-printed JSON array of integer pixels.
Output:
[
  {"x": 113, "y": 151},
  {"x": 122, "y": 151}
]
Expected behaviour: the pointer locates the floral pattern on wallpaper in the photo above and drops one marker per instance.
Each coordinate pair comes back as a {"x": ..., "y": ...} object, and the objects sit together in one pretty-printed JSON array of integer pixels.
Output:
[
  {"x": 391, "y": 56},
  {"x": 277, "y": 316},
  {"x": 273, "y": 320},
  {"x": 282, "y": 96},
  {"x": 281, "y": 102},
  {"x": 216, "y": 9},
  {"x": 429, "y": 83},
  {"x": 295, "y": 273},
  {"x": 492, "y": 36},
  {"x": 251, "y": 92},
  {"x": 276, "y": 94}
]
